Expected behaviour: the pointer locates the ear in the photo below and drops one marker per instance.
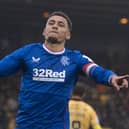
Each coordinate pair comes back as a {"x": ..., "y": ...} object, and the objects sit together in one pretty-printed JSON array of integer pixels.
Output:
[
  {"x": 68, "y": 36},
  {"x": 43, "y": 33}
]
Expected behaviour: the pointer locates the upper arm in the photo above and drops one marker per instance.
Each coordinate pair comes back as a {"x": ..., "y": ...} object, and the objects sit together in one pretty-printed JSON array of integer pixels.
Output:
[{"x": 85, "y": 64}]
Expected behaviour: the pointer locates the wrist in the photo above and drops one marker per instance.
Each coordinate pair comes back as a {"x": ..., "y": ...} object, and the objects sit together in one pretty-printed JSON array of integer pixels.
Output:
[{"x": 110, "y": 79}]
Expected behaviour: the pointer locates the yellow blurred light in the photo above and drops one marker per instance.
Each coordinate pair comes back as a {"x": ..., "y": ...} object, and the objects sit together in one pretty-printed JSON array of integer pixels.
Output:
[{"x": 124, "y": 20}]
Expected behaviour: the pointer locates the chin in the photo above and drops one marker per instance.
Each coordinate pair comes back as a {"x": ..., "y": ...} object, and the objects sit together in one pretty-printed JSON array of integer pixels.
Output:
[{"x": 53, "y": 40}]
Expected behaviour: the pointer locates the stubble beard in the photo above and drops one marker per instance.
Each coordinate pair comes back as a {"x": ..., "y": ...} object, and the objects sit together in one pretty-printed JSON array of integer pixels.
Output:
[{"x": 53, "y": 40}]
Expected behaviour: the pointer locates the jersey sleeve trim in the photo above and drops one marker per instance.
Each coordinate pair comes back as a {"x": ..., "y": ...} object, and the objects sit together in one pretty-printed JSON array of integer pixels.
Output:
[{"x": 87, "y": 67}]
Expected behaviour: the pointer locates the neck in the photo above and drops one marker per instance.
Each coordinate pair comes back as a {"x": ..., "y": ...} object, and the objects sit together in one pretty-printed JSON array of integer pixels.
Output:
[{"x": 54, "y": 47}]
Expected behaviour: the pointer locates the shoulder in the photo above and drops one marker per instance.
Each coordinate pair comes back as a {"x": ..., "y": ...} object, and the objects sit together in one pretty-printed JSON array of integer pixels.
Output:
[
  {"x": 32, "y": 45},
  {"x": 77, "y": 55},
  {"x": 87, "y": 106},
  {"x": 24, "y": 50},
  {"x": 74, "y": 53}
]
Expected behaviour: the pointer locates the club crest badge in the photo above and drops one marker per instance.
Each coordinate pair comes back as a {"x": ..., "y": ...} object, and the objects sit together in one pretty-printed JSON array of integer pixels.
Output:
[{"x": 65, "y": 60}]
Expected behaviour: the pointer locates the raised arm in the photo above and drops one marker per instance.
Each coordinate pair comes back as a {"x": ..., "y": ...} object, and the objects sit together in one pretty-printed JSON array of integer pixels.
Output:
[{"x": 102, "y": 75}]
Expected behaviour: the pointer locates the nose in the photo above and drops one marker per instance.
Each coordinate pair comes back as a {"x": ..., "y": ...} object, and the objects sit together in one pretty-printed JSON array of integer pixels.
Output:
[{"x": 55, "y": 26}]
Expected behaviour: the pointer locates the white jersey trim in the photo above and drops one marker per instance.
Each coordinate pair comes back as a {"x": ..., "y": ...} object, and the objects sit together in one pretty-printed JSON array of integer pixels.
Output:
[{"x": 54, "y": 53}]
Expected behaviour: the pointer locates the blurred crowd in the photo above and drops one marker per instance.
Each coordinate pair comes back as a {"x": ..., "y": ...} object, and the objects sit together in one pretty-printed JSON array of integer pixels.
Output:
[
  {"x": 9, "y": 88},
  {"x": 112, "y": 107}
]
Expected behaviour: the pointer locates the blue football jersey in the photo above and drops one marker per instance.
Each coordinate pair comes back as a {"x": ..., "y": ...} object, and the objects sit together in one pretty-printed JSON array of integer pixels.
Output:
[{"x": 47, "y": 82}]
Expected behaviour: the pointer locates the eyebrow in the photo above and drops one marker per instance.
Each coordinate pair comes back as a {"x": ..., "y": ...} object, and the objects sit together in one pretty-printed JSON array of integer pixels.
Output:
[
  {"x": 62, "y": 22},
  {"x": 51, "y": 20}
]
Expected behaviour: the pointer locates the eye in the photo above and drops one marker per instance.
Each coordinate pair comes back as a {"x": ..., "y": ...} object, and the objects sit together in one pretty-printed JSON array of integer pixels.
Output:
[
  {"x": 51, "y": 22},
  {"x": 61, "y": 24}
]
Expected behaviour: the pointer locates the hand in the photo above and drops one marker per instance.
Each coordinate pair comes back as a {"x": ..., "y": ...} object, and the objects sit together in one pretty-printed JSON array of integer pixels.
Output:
[{"x": 119, "y": 81}]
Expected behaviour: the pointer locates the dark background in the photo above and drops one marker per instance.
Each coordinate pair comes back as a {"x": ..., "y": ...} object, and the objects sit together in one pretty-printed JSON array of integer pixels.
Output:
[
  {"x": 97, "y": 32},
  {"x": 96, "y": 27}
]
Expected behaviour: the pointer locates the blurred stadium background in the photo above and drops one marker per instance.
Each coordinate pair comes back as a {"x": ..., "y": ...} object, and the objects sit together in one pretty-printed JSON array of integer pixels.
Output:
[{"x": 100, "y": 30}]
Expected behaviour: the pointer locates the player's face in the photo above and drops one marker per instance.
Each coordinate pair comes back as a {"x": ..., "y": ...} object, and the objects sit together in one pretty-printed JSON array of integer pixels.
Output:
[{"x": 57, "y": 28}]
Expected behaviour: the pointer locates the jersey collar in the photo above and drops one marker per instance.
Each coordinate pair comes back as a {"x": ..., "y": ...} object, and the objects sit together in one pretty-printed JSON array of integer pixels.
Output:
[{"x": 54, "y": 53}]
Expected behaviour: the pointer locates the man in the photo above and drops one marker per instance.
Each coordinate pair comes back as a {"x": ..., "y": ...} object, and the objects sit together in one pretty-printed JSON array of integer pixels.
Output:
[
  {"x": 49, "y": 73},
  {"x": 82, "y": 115}
]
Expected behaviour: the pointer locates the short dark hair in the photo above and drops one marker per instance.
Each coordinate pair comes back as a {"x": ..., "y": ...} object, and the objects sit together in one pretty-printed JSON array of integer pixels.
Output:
[
  {"x": 79, "y": 90},
  {"x": 62, "y": 14}
]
